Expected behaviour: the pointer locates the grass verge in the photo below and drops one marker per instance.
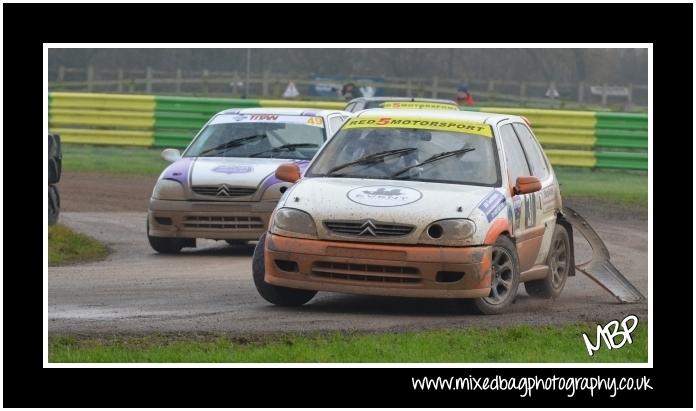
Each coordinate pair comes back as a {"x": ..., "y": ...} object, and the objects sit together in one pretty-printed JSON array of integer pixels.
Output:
[
  {"x": 113, "y": 159},
  {"x": 618, "y": 186},
  {"x": 68, "y": 247},
  {"x": 513, "y": 344}
]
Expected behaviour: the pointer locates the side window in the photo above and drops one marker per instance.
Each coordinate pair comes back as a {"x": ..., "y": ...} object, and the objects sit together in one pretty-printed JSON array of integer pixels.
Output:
[
  {"x": 514, "y": 155},
  {"x": 336, "y": 123},
  {"x": 531, "y": 148},
  {"x": 350, "y": 107}
]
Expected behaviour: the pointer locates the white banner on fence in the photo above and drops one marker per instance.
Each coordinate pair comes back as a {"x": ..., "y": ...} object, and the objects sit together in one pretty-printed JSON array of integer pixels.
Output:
[{"x": 610, "y": 90}]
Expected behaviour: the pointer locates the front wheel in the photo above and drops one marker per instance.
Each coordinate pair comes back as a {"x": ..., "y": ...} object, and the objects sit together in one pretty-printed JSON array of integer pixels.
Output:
[
  {"x": 559, "y": 263},
  {"x": 505, "y": 279},
  {"x": 165, "y": 245},
  {"x": 283, "y": 296}
]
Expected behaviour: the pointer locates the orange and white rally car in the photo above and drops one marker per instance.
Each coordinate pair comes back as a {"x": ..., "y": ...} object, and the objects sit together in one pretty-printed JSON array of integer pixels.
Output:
[{"x": 415, "y": 203}]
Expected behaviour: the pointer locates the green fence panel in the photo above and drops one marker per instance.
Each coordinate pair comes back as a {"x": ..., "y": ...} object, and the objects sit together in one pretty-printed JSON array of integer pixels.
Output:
[
  {"x": 635, "y": 161},
  {"x": 622, "y": 121},
  {"x": 180, "y": 120},
  {"x": 622, "y": 138},
  {"x": 207, "y": 106}
]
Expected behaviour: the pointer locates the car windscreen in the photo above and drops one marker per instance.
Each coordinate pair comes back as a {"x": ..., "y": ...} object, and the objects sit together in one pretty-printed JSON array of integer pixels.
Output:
[
  {"x": 434, "y": 150},
  {"x": 261, "y": 136}
]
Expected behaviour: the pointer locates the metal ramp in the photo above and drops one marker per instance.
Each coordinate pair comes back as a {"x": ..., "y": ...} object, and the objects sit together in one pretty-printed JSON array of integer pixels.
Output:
[{"x": 599, "y": 268}]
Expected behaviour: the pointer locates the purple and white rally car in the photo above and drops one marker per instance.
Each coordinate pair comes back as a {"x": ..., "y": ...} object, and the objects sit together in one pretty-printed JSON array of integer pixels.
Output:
[{"x": 223, "y": 186}]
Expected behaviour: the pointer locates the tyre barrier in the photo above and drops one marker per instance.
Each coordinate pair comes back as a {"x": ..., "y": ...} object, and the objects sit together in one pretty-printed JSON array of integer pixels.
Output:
[
  {"x": 53, "y": 204},
  {"x": 55, "y": 159}
]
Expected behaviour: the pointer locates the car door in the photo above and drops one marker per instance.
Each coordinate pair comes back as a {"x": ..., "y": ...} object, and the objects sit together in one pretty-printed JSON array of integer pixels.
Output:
[
  {"x": 546, "y": 197},
  {"x": 527, "y": 225}
]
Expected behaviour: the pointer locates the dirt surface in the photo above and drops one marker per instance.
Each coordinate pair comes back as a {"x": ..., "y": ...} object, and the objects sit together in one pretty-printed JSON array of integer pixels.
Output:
[
  {"x": 104, "y": 192},
  {"x": 210, "y": 289}
]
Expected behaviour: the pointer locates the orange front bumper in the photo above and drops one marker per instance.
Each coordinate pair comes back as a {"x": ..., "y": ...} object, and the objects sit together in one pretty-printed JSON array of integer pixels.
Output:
[{"x": 378, "y": 269}]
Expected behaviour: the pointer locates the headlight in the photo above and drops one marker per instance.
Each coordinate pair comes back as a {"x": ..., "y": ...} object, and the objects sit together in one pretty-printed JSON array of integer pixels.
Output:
[
  {"x": 449, "y": 232},
  {"x": 293, "y": 223},
  {"x": 168, "y": 190}
]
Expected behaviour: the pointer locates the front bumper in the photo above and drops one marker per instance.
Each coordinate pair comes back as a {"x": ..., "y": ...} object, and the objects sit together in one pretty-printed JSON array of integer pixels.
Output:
[
  {"x": 378, "y": 269},
  {"x": 208, "y": 219}
]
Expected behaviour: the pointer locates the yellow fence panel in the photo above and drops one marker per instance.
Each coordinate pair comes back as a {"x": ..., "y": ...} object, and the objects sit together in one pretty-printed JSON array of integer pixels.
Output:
[
  {"x": 109, "y": 137},
  {"x": 571, "y": 158}
]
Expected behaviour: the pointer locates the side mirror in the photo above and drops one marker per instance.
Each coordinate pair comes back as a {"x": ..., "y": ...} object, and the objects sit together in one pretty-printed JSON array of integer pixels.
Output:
[
  {"x": 289, "y": 172},
  {"x": 171, "y": 154},
  {"x": 527, "y": 184}
]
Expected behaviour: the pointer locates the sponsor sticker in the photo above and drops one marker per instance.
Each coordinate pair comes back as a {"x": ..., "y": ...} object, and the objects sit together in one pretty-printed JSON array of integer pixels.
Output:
[
  {"x": 492, "y": 205},
  {"x": 458, "y": 126},
  {"x": 419, "y": 105},
  {"x": 517, "y": 210},
  {"x": 547, "y": 197},
  {"x": 240, "y": 169},
  {"x": 315, "y": 121},
  {"x": 384, "y": 196}
]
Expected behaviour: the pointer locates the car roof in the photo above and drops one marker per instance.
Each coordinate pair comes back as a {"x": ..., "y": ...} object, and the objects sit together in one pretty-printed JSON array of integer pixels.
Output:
[
  {"x": 474, "y": 116},
  {"x": 416, "y": 99},
  {"x": 285, "y": 111}
]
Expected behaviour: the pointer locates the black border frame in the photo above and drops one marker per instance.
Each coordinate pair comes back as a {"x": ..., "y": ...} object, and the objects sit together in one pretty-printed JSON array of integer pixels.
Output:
[{"x": 27, "y": 26}]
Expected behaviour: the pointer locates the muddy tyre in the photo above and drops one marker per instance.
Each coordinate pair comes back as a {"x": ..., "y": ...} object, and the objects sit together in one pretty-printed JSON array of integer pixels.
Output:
[
  {"x": 505, "y": 279},
  {"x": 55, "y": 159},
  {"x": 559, "y": 262},
  {"x": 53, "y": 204},
  {"x": 164, "y": 245},
  {"x": 282, "y": 296}
]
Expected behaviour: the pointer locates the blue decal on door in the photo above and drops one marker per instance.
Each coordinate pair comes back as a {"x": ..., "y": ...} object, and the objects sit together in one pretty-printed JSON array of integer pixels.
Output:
[{"x": 492, "y": 205}]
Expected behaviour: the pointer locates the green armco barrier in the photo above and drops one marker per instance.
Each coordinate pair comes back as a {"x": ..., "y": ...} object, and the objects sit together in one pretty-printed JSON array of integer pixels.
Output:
[
  {"x": 634, "y": 161},
  {"x": 207, "y": 106},
  {"x": 622, "y": 121},
  {"x": 572, "y": 138},
  {"x": 188, "y": 121},
  {"x": 622, "y": 138}
]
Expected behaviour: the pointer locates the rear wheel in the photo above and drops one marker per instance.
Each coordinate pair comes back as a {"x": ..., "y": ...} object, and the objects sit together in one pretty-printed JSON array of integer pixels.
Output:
[
  {"x": 283, "y": 296},
  {"x": 559, "y": 263},
  {"x": 505, "y": 279}
]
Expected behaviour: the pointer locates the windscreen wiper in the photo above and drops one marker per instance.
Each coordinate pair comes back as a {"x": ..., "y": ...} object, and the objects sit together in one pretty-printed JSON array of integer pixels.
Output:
[
  {"x": 290, "y": 147},
  {"x": 233, "y": 143},
  {"x": 434, "y": 158},
  {"x": 373, "y": 158}
]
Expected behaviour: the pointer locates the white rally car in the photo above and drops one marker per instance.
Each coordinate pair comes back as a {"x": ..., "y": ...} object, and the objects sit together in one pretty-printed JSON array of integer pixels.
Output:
[
  {"x": 444, "y": 204},
  {"x": 223, "y": 186}
]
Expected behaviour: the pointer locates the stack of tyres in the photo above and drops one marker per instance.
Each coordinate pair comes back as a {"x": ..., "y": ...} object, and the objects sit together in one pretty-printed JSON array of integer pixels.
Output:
[{"x": 55, "y": 167}]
